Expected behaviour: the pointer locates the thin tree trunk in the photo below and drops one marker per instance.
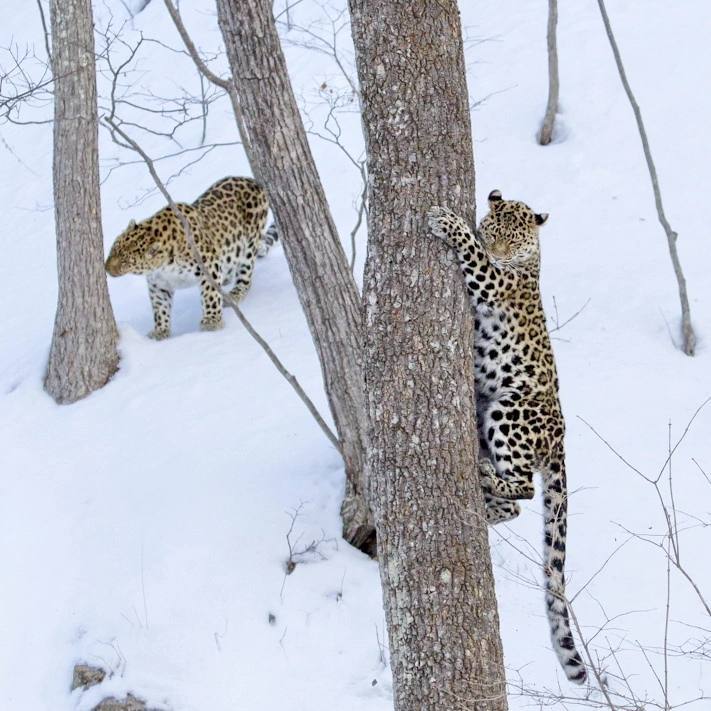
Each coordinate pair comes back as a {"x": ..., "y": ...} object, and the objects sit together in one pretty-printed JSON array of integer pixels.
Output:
[
  {"x": 433, "y": 549},
  {"x": 687, "y": 330},
  {"x": 279, "y": 153},
  {"x": 83, "y": 354},
  {"x": 546, "y": 133}
]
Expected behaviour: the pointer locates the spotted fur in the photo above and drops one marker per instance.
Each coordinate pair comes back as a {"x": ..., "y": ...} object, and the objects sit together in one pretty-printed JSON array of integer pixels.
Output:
[
  {"x": 521, "y": 426},
  {"x": 227, "y": 222}
]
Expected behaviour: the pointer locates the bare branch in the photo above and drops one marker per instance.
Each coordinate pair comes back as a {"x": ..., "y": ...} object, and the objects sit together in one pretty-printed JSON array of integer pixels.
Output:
[
  {"x": 226, "y": 84},
  {"x": 287, "y": 11},
  {"x": 687, "y": 331},
  {"x": 670, "y": 539},
  {"x": 556, "y": 318},
  {"x": 44, "y": 30},
  {"x": 25, "y": 81}
]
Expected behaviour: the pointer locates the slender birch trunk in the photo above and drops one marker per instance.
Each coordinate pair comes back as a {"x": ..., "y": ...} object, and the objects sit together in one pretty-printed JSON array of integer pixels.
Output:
[
  {"x": 83, "y": 353},
  {"x": 546, "y": 134},
  {"x": 279, "y": 153},
  {"x": 433, "y": 549}
]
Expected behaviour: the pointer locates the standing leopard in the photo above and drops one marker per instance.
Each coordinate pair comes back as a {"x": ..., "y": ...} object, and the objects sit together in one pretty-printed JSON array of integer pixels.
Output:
[
  {"x": 227, "y": 222},
  {"x": 521, "y": 425}
]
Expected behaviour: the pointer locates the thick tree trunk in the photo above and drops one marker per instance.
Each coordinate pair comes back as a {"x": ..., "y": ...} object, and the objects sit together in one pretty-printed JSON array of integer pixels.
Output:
[
  {"x": 433, "y": 548},
  {"x": 281, "y": 160},
  {"x": 83, "y": 354},
  {"x": 546, "y": 134}
]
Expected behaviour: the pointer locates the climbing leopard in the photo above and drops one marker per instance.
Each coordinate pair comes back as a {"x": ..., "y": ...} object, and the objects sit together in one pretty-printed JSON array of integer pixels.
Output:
[
  {"x": 227, "y": 222},
  {"x": 521, "y": 426}
]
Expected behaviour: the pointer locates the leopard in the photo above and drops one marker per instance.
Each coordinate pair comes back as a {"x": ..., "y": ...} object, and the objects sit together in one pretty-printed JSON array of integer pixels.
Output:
[
  {"x": 228, "y": 227},
  {"x": 519, "y": 418}
]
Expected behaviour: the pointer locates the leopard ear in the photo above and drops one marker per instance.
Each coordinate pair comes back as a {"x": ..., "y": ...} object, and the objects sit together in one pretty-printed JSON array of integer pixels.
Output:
[
  {"x": 131, "y": 225},
  {"x": 495, "y": 196},
  {"x": 541, "y": 218}
]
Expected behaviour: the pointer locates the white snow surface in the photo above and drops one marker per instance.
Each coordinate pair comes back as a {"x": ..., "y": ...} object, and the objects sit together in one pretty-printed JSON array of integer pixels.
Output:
[{"x": 144, "y": 528}]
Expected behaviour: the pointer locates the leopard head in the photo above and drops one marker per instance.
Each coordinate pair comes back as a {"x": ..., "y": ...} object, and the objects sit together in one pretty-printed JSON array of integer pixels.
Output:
[
  {"x": 139, "y": 249},
  {"x": 510, "y": 231}
]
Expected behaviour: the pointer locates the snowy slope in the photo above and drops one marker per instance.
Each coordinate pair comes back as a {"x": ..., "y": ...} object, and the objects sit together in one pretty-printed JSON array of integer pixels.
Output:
[{"x": 144, "y": 528}]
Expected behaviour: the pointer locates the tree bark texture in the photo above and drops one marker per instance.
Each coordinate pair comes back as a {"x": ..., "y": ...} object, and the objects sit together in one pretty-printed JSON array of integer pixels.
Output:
[
  {"x": 281, "y": 159},
  {"x": 83, "y": 354},
  {"x": 546, "y": 134},
  {"x": 433, "y": 549}
]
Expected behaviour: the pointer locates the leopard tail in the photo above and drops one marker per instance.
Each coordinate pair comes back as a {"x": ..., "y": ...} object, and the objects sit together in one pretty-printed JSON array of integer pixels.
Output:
[{"x": 555, "y": 529}]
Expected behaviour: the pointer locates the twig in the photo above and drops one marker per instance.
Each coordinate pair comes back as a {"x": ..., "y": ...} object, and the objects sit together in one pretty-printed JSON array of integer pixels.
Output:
[
  {"x": 687, "y": 331},
  {"x": 226, "y": 84},
  {"x": 359, "y": 219},
  {"x": 667, "y": 607},
  {"x": 44, "y": 30},
  {"x": 672, "y": 533},
  {"x": 287, "y": 11},
  {"x": 600, "y": 677},
  {"x": 706, "y": 476},
  {"x": 130, "y": 143},
  {"x": 192, "y": 50},
  {"x": 143, "y": 591},
  {"x": 556, "y": 319}
]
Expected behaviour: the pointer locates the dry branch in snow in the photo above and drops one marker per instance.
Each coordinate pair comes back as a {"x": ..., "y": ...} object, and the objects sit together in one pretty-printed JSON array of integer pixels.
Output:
[{"x": 687, "y": 331}]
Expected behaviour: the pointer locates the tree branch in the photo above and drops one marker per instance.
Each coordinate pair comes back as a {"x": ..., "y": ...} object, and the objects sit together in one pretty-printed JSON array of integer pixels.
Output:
[
  {"x": 45, "y": 30},
  {"x": 687, "y": 331},
  {"x": 226, "y": 84}
]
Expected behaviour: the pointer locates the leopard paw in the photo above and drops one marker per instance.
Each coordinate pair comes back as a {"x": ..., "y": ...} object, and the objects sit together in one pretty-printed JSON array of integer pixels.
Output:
[{"x": 211, "y": 324}]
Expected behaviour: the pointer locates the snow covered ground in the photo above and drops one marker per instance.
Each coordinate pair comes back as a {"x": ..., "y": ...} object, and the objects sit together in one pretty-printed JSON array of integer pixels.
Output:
[{"x": 144, "y": 528}]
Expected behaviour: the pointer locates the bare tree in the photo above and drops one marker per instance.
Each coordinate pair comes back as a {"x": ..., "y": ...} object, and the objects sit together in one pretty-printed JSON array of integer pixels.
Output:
[
  {"x": 546, "y": 134},
  {"x": 687, "y": 330},
  {"x": 281, "y": 160},
  {"x": 83, "y": 354},
  {"x": 433, "y": 549}
]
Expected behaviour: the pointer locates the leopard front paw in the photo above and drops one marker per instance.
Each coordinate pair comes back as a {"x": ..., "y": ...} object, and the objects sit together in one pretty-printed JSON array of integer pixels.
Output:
[
  {"x": 437, "y": 218},
  {"x": 443, "y": 224}
]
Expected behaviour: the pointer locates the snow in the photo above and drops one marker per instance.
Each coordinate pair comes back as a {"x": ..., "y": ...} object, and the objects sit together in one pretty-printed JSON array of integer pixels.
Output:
[{"x": 144, "y": 528}]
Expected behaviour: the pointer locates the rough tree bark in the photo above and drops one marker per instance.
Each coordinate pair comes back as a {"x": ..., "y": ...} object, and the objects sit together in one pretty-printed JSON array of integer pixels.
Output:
[
  {"x": 546, "y": 134},
  {"x": 279, "y": 153},
  {"x": 435, "y": 566},
  {"x": 83, "y": 353}
]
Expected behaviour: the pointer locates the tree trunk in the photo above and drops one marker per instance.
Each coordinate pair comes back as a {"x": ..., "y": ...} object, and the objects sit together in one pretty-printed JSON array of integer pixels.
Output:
[
  {"x": 435, "y": 566},
  {"x": 83, "y": 354},
  {"x": 546, "y": 134},
  {"x": 279, "y": 153}
]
